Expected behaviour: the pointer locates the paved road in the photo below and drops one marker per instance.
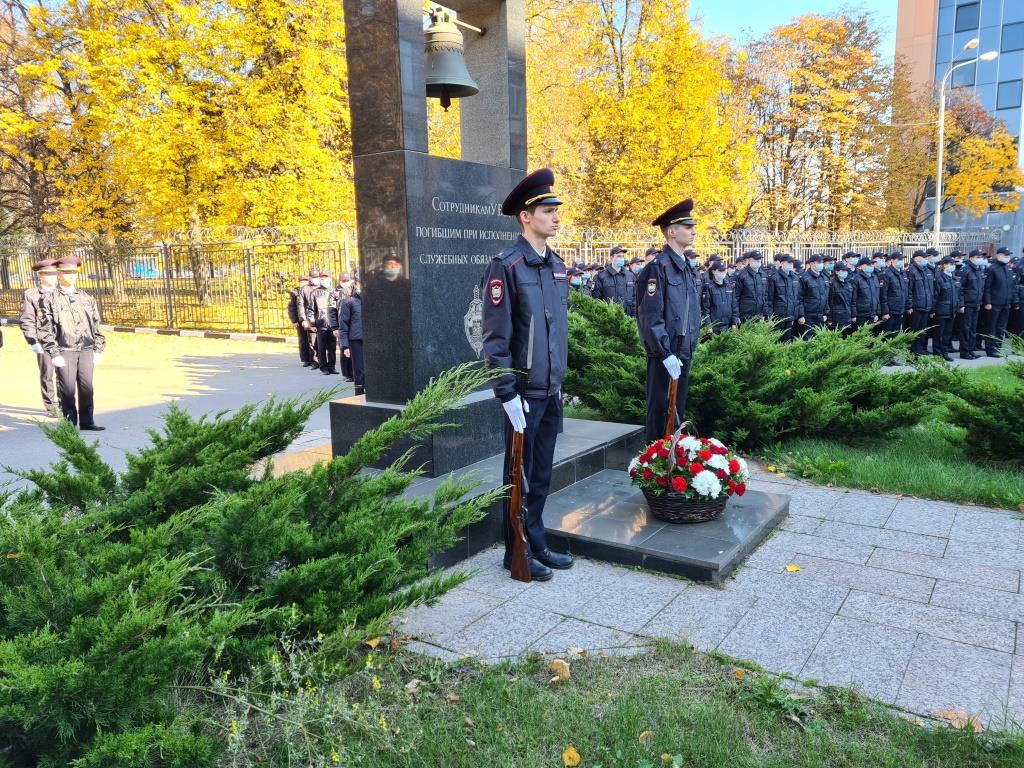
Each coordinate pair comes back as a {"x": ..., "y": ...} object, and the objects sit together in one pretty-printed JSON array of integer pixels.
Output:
[{"x": 140, "y": 374}]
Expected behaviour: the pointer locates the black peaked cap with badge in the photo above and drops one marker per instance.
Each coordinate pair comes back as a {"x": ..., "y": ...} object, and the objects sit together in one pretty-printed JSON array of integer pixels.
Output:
[
  {"x": 680, "y": 213},
  {"x": 534, "y": 189}
]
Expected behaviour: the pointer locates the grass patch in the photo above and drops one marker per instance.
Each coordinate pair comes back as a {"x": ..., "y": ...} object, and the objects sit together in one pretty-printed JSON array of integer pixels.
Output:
[
  {"x": 669, "y": 707},
  {"x": 999, "y": 375},
  {"x": 581, "y": 412},
  {"x": 929, "y": 461}
]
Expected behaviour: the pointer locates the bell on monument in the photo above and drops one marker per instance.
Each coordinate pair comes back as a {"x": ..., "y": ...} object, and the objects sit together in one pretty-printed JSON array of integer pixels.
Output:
[{"x": 447, "y": 76}]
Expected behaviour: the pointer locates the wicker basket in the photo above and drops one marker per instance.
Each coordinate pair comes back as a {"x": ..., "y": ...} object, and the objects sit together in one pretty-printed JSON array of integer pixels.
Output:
[{"x": 673, "y": 508}]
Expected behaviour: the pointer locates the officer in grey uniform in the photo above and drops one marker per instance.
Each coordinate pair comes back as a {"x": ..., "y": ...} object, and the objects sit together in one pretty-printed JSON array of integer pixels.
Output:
[
  {"x": 31, "y": 307},
  {"x": 69, "y": 330},
  {"x": 526, "y": 331},
  {"x": 668, "y": 314}
]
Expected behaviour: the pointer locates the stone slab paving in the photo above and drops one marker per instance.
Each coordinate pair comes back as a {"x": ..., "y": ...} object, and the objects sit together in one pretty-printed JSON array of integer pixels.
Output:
[{"x": 913, "y": 602}]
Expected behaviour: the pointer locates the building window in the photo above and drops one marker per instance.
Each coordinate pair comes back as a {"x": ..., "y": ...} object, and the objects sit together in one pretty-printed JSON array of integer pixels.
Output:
[
  {"x": 1013, "y": 37},
  {"x": 967, "y": 17},
  {"x": 1009, "y": 94},
  {"x": 965, "y": 76}
]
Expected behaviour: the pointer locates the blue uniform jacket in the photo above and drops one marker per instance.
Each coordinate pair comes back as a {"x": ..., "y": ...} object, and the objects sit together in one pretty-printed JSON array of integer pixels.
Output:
[
  {"x": 1000, "y": 290},
  {"x": 784, "y": 297},
  {"x": 814, "y": 293},
  {"x": 719, "y": 303},
  {"x": 922, "y": 288},
  {"x": 619, "y": 287},
  {"x": 948, "y": 296},
  {"x": 895, "y": 291},
  {"x": 668, "y": 306},
  {"x": 750, "y": 293},
  {"x": 867, "y": 296},
  {"x": 972, "y": 283}
]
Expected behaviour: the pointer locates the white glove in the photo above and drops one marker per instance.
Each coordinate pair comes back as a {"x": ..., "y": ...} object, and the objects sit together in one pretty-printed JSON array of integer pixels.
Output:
[
  {"x": 37, "y": 348},
  {"x": 97, "y": 358},
  {"x": 59, "y": 361},
  {"x": 673, "y": 366},
  {"x": 517, "y": 408}
]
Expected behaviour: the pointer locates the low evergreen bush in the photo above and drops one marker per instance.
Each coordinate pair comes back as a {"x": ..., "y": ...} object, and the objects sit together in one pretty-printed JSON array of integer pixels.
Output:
[
  {"x": 748, "y": 389},
  {"x": 116, "y": 588}
]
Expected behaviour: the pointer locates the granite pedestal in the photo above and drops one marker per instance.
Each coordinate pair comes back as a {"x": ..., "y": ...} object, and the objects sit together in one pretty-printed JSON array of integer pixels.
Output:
[{"x": 606, "y": 517}]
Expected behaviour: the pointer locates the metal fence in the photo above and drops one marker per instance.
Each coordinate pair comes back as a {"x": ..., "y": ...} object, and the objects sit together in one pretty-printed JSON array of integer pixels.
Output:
[{"x": 244, "y": 285}]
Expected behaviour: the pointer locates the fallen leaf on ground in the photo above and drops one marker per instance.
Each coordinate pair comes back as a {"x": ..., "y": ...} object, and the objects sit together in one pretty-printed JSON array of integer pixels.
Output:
[
  {"x": 372, "y": 642},
  {"x": 576, "y": 653},
  {"x": 452, "y": 698},
  {"x": 561, "y": 669},
  {"x": 470, "y": 742},
  {"x": 959, "y": 719},
  {"x": 875, "y": 490},
  {"x": 570, "y": 757},
  {"x": 470, "y": 723},
  {"x": 645, "y": 736},
  {"x": 780, "y": 474},
  {"x": 792, "y": 567},
  {"x": 771, "y": 468},
  {"x": 14, "y": 555},
  {"x": 412, "y": 687},
  {"x": 740, "y": 673}
]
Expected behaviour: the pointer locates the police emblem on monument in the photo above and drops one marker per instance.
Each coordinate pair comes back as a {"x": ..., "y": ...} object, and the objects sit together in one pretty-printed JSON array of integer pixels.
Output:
[{"x": 473, "y": 322}]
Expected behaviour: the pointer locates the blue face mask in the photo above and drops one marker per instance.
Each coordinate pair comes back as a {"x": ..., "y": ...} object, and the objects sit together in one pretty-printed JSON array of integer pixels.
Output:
[
  {"x": 576, "y": 281},
  {"x": 950, "y": 269},
  {"x": 392, "y": 272},
  {"x": 842, "y": 274},
  {"x": 637, "y": 268},
  {"x": 730, "y": 272},
  {"x": 618, "y": 261},
  {"x": 816, "y": 267},
  {"x": 692, "y": 262},
  {"x": 869, "y": 270},
  {"x": 829, "y": 268},
  {"x": 787, "y": 268}
]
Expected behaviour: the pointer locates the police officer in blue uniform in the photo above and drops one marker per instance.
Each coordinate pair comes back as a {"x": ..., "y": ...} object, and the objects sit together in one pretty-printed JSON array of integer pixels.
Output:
[
  {"x": 784, "y": 299},
  {"x": 718, "y": 299},
  {"x": 751, "y": 289},
  {"x": 972, "y": 282},
  {"x": 616, "y": 283},
  {"x": 668, "y": 315},
  {"x": 814, "y": 293},
  {"x": 998, "y": 296},
  {"x": 921, "y": 300},
  {"x": 526, "y": 331},
  {"x": 948, "y": 303},
  {"x": 840, "y": 299},
  {"x": 867, "y": 299}
]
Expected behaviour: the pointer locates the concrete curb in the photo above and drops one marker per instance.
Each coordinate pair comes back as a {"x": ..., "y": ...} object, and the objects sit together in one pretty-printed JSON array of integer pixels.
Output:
[{"x": 4, "y": 321}]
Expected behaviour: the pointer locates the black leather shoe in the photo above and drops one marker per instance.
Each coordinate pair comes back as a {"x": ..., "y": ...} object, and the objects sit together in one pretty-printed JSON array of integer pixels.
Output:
[
  {"x": 555, "y": 560},
  {"x": 968, "y": 356},
  {"x": 992, "y": 354},
  {"x": 538, "y": 571},
  {"x": 91, "y": 428},
  {"x": 947, "y": 358}
]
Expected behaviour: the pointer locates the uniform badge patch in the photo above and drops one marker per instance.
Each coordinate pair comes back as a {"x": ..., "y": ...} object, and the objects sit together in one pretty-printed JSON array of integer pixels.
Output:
[
  {"x": 652, "y": 287},
  {"x": 497, "y": 291}
]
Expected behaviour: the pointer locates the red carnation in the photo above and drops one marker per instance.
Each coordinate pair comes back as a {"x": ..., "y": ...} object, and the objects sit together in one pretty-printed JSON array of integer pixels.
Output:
[
  {"x": 732, "y": 483},
  {"x": 721, "y": 451},
  {"x": 734, "y": 466},
  {"x": 705, "y": 440},
  {"x": 680, "y": 451},
  {"x": 663, "y": 480},
  {"x": 663, "y": 453},
  {"x": 730, "y": 491},
  {"x": 720, "y": 474},
  {"x": 696, "y": 468},
  {"x": 648, "y": 474},
  {"x": 679, "y": 484},
  {"x": 741, "y": 489},
  {"x": 705, "y": 455}
]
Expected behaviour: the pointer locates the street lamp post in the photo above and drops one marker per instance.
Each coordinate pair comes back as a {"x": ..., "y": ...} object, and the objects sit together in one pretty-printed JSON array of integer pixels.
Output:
[{"x": 970, "y": 45}]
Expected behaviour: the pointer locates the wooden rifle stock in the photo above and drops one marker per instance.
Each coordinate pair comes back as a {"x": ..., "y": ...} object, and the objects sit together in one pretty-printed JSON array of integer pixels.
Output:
[
  {"x": 670, "y": 419},
  {"x": 520, "y": 558}
]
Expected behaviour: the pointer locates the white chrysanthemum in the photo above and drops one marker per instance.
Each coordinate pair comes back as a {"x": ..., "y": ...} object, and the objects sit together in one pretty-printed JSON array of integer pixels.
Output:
[
  {"x": 716, "y": 442},
  {"x": 706, "y": 484},
  {"x": 718, "y": 461},
  {"x": 691, "y": 445},
  {"x": 633, "y": 465},
  {"x": 744, "y": 474}
]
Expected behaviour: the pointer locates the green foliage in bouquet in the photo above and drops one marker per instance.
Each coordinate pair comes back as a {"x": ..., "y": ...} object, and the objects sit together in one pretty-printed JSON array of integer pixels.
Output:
[{"x": 116, "y": 587}]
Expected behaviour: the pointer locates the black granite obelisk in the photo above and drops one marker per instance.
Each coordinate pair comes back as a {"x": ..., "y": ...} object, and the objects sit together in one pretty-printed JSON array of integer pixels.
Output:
[{"x": 435, "y": 220}]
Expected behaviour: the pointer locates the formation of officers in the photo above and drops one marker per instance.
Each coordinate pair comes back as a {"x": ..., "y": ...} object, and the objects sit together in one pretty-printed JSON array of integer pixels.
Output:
[
  {"x": 968, "y": 297},
  {"x": 61, "y": 326},
  {"x": 325, "y": 317}
]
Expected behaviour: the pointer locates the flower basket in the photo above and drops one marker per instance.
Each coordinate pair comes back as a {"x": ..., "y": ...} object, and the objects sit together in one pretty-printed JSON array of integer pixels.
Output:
[{"x": 688, "y": 479}]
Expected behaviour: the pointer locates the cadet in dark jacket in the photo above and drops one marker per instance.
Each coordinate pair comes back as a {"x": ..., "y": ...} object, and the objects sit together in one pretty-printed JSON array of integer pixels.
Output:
[
  {"x": 718, "y": 300},
  {"x": 668, "y": 314},
  {"x": 1015, "y": 322},
  {"x": 867, "y": 293},
  {"x": 896, "y": 290},
  {"x": 998, "y": 297},
  {"x": 921, "y": 282},
  {"x": 617, "y": 284},
  {"x": 948, "y": 303},
  {"x": 305, "y": 353},
  {"x": 350, "y": 334},
  {"x": 972, "y": 283},
  {"x": 784, "y": 298},
  {"x": 69, "y": 330},
  {"x": 814, "y": 287},
  {"x": 840, "y": 299},
  {"x": 575, "y": 277},
  {"x": 526, "y": 331},
  {"x": 751, "y": 289},
  {"x": 31, "y": 309},
  {"x": 318, "y": 313}
]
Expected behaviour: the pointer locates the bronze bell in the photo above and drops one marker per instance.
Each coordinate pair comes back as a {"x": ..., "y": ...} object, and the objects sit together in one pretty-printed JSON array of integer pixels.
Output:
[{"x": 447, "y": 76}]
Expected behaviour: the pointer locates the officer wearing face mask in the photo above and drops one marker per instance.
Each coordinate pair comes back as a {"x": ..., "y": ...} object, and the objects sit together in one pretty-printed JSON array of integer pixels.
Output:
[
  {"x": 784, "y": 299},
  {"x": 1015, "y": 323},
  {"x": 840, "y": 299},
  {"x": 867, "y": 300},
  {"x": 850, "y": 258},
  {"x": 318, "y": 313},
  {"x": 921, "y": 280},
  {"x": 635, "y": 265},
  {"x": 751, "y": 288},
  {"x": 998, "y": 297},
  {"x": 896, "y": 291},
  {"x": 948, "y": 302},
  {"x": 617, "y": 284},
  {"x": 575, "y": 278},
  {"x": 814, "y": 288},
  {"x": 718, "y": 300},
  {"x": 972, "y": 283},
  {"x": 829, "y": 265}
]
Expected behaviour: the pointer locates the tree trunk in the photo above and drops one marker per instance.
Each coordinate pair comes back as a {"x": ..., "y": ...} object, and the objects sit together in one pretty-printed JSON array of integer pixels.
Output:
[{"x": 200, "y": 264}]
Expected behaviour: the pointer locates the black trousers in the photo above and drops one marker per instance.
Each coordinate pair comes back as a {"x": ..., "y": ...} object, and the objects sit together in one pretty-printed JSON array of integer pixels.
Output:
[
  {"x": 918, "y": 324},
  {"x": 538, "y": 457},
  {"x": 894, "y": 324},
  {"x": 995, "y": 328},
  {"x": 305, "y": 353},
  {"x": 76, "y": 378},
  {"x": 942, "y": 335},
  {"x": 357, "y": 365},
  {"x": 787, "y": 326},
  {"x": 327, "y": 349},
  {"x": 657, "y": 396},
  {"x": 1015, "y": 323},
  {"x": 969, "y": 330},
  {"x": 314, "y": 356},
  {"x": 46, "y": 386},
  {"x": 811, "y": 324},
  {"x": 346, "y": 365}
]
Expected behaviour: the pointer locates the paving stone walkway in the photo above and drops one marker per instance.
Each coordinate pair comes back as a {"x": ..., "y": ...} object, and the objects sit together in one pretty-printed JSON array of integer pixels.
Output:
[{"x": 915, "y": 603}]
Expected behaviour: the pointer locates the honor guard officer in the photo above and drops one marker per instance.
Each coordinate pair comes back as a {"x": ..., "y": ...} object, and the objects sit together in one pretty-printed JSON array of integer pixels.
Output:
[
  {"x": 69, "y": 331},
  {"x": 668, "y": 314},
  {"x": 526, "y": 332},
  {"x": 718, "y": 300},
  {"x": 31, "y": 308},
  {"x": 814, "y": 293},
  {"x": 617, "y": 284}
]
